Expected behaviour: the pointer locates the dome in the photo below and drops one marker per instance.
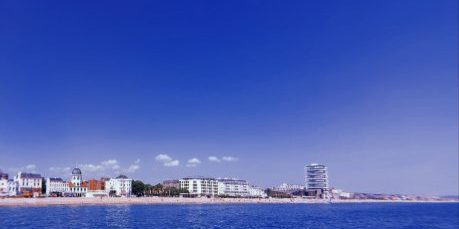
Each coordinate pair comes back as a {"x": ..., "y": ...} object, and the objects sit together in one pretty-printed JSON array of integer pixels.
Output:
[{"x": 76, "y": 171}]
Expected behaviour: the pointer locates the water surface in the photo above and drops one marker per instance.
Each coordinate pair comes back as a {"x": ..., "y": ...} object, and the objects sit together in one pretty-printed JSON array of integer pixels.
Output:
[{"x": 362, "y": 215}]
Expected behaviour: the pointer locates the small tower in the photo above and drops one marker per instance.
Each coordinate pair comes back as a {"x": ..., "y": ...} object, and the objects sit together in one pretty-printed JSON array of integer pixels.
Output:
[{"x": 77, "y": 178}]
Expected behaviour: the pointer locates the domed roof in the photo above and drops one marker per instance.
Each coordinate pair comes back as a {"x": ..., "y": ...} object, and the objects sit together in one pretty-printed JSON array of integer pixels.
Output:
[{"x": 76, "y": 171}]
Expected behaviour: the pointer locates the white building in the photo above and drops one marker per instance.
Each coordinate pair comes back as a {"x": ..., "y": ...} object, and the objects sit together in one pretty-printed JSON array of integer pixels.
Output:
[
  {"x": 8, "y": 187},
  {"x": 13, "y": 188},
  {"x": 257, "y": 192},
  {"x": 288, "y": 188},
  {"x": 200, "y": 186},
  {"x": 57, "y": 187},
  {"x": 4, "y": 191},
  {"x": 233, "y": 187},
  {"x": 119, "y": 186},
  {"x": 340, "y": 194},
  {"x": 77, "y": 187},
  {"x": 29, "y": 184},
  {"x": 316, "y": 179}
]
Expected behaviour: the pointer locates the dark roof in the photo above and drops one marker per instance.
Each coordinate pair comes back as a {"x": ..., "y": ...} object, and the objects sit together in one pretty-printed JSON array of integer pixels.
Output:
[
  {"x": 198, "y": 177},
  {"x": 3, "y": 175},
  {"x": 121, "y": 177},
  {"x": 56, "y": 179},
  {"x": 76, "y": 171},
  {"x": 30, "y": 175}
]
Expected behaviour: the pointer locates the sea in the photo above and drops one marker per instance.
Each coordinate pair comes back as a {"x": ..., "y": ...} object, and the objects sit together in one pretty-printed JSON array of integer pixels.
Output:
[{"x": 335, "y": 215}]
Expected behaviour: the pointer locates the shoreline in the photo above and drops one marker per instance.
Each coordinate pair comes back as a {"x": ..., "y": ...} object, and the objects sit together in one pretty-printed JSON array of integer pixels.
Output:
[{"x": 69, "y": 201}]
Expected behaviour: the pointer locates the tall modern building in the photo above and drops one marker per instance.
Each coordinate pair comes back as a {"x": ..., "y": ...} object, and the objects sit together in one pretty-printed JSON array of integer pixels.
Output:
[{"x": 316, "y": 179}]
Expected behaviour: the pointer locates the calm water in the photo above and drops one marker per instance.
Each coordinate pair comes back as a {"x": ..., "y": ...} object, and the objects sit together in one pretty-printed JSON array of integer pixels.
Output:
[{"x": 400, "y": 215}]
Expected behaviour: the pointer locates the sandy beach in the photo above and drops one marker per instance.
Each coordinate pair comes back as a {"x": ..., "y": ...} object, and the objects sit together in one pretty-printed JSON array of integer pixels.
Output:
[{"x": 178, "y": 200}]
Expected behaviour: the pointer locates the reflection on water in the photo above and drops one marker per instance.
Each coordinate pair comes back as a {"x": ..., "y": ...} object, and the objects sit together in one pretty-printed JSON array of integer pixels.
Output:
[{"x": 118, "y": 216}]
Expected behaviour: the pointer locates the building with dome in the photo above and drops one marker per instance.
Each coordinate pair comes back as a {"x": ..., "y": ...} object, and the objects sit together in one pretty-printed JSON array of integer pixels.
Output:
[{"x": 77, "y": 187}]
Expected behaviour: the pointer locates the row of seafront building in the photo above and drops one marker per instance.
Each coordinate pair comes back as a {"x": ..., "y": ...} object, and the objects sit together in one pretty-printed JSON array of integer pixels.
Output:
[
  {"x": 31, "y": 185},
  {"x": 208, "y": 186}
]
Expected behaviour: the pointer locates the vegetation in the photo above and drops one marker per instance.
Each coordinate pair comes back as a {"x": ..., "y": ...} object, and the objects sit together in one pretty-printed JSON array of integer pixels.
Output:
[
  {"x": 138, "y": 188},
  {"x": 275, "y": 194},
  {"x": 43, "y": 185}
]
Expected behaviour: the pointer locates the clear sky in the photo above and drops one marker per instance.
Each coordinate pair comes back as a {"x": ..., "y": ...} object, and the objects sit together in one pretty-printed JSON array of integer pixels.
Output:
[{"x": 153, "y": 89}]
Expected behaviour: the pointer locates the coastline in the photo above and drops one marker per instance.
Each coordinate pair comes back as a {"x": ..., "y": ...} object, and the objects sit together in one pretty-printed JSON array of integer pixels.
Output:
[{"x": 32, "y": 202}]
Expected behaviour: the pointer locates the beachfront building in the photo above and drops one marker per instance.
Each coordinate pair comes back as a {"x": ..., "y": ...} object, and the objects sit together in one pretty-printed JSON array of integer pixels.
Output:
[
  {"x": 6, "y": 186},
  {"x": 77, "y": 187},
  {"x": 255, "y": 191},
  {"x": 96, "y": 188},
  {"x": 288, "y": 188},
  {"x": 339, "y": 194},
  {"x": 233, "y": 187},
  {"x": 13, "y": 188},
  {"x": 119, "y": 186},
  {"x": 56, "y": 187},
  {"x": 171, "y": 184},
  {"x": 29, "y": 184},
  {"x": 316, "y": 179},
  {"x": 3, "y": 184},
  {"x": 200, "y": 186}
]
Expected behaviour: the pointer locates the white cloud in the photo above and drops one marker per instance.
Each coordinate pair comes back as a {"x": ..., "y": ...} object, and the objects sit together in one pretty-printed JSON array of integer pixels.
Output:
[
  {"x": 163, "y": 158},
  {"x": 27, "y": 168},
  {"x": 213, "y": 159},
  {"x": 60, "y": 170},
  {"x": 167, "y": 160},
  {"x": 91, "y": 168},
  {"x": 172, "y": 163},
  {"x": 111, "y": 164},
  {"x": 132, "y": 168},
  {"x": 30, "y": 167},
  {"x": 193, "y": 162},
  {"x": 224, "y": 158},
  {"x": 229, "y": 158}
]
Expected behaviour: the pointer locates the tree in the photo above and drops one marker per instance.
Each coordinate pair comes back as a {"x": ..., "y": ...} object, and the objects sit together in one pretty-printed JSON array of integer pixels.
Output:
[
  {"x": 138, "y": 188},
  {"x": 269, "y": 192},
  {"x": 157, "y": 189},
  {"x": 147, "y": 189},
  {"x": 43, "y": 185}
]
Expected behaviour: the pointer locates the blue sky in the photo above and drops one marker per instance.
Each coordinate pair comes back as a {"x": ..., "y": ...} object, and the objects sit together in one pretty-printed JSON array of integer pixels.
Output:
[{"x": 153, "y": 89}]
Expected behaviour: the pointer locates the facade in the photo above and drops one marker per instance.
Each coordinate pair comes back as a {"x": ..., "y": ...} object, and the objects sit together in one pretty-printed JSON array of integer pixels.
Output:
[
  {"x": 13, "y": 188},
  {"x": 3, "y": 184},
  {"x": 233, "y": 187},
  {"x": 316, "y": 179},
  {"x": 77, "y": 187},
  {"x": 200, "y": 186},
  {"x": 340, "y": 194},
  {"x": 7, "y": 186},
  {"x": 96, "y": 188},
  {"x": 95, "y": 185},
  {"x": 56, "y": 187},
  {"x": 288, "y": 188},
  {"x": 119, "y": 186},
  {"x": 29, "y": 184},
  {"x": 257, "y": 192},
  {"x": 171, "y": 184}
]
